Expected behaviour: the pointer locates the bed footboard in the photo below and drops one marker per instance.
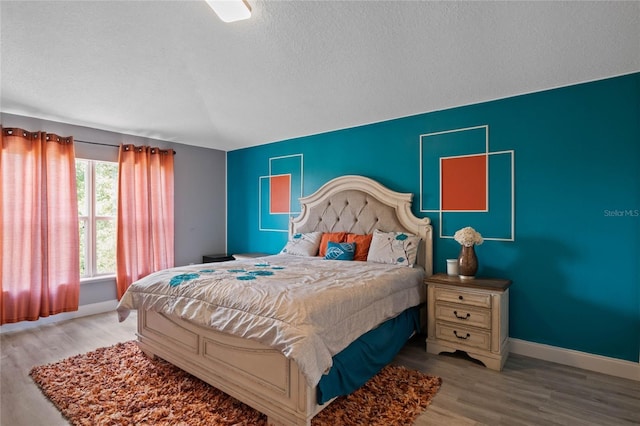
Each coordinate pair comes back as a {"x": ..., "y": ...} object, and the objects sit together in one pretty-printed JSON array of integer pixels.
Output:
[{"x": 253, "y": 373}]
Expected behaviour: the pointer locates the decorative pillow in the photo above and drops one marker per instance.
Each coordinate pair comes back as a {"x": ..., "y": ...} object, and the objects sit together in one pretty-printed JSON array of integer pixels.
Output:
[
  {"x": 362, "y": 245},
  {"x": 336, "y": 237},
  {"x": 397, "y": 248},
  {"x": 303, "y": 244},
  {"x": 340, "y": 251}
]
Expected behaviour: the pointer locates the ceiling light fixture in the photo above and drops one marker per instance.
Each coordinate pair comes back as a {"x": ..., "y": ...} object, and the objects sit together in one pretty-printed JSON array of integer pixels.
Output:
[{"x": 230, "y": 10}]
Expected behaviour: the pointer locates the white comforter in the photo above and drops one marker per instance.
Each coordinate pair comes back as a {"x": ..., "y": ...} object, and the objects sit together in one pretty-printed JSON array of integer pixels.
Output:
[{"x": 308, "y": 308}]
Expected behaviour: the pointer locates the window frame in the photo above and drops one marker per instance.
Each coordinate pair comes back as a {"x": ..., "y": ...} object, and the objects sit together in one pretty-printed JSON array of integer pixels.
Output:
[{"x": 90, "y": 222}]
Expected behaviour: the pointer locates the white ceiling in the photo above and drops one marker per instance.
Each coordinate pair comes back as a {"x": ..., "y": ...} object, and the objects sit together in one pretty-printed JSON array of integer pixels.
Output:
[{"x": 172, "y": 70}]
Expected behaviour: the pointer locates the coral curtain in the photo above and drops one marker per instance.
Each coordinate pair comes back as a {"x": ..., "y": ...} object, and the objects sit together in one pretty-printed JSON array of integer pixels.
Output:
[
  {"x": 39, "y": 239},
  {"x": 145, "y": 213}
]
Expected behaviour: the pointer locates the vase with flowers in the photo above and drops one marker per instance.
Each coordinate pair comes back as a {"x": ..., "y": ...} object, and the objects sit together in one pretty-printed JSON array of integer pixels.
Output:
[{"x": 468, "y": 238}]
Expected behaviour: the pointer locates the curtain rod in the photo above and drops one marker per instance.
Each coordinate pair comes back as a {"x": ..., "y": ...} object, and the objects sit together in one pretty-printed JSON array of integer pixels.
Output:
[
  {"x": 96, "y": 143},
  {"x": 107, "y": 144}
]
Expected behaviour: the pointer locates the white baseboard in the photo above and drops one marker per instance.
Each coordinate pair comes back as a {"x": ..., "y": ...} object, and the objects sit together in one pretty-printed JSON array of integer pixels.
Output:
[
  {"x": 584, "y": 360},
  {"x": 83, "y": 311}
]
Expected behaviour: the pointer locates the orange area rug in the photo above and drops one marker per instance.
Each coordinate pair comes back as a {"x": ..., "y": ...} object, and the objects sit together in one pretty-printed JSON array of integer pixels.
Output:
[{"x": 119, "y": 385}]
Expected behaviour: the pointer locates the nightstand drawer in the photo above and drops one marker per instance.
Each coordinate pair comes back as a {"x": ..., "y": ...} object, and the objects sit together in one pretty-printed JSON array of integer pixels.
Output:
[
  {"x": 463, "y": 297},
  {"x": 464, "y": 336},
  {"x": 466, "y": 315}
]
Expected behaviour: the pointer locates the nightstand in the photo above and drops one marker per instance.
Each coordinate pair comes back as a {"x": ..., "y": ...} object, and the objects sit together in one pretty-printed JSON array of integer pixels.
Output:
[
  {"x": 470, "y": 316},
  {"x": 222, "y": 257}
]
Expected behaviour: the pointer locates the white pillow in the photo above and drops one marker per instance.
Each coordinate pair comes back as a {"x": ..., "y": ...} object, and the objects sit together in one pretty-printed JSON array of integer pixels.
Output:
[
  {"x": 397, "y": 248},
  {"x": 303, "y": 244}
]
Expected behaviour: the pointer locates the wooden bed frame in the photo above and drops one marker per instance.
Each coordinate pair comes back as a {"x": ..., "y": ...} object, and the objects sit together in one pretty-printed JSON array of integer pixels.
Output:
[{"x": 253, "y": 373}]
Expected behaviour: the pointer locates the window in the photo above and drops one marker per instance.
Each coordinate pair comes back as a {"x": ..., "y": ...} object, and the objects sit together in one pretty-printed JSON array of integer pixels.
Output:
[{"x": 97, "y": 183}]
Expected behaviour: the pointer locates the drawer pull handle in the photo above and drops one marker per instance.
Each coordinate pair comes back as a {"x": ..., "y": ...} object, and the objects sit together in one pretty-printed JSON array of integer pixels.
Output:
[
  {"x": 461, "y": 317},
  {"x": 461, "y": 337},
  {"x": 460, "y": 298}
]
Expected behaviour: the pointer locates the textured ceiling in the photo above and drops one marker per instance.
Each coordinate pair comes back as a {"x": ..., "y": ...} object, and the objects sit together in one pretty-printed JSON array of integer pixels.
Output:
[{"x": 172, "y": 70}]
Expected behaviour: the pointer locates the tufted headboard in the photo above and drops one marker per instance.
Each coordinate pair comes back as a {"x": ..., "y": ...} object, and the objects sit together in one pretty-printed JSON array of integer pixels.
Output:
[{"x": 359, "y": 205}]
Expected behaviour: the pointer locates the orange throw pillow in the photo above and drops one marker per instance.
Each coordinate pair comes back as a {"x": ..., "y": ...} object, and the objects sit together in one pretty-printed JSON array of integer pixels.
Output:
[
  {"x": 334, "y": 237},
  {"x": 362, "y": 245}
]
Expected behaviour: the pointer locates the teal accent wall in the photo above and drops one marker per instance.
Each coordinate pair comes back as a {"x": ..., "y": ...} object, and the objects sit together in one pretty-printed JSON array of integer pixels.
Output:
[{"x": 576, "y": 166}]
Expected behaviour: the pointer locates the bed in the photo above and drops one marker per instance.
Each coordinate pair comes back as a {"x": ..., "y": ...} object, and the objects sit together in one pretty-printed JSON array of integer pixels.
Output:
[{"x": 273, "y": 358}]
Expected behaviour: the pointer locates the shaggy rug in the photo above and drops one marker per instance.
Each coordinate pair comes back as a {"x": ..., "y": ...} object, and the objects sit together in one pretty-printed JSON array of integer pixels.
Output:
[{"x": 118, "y": 385}]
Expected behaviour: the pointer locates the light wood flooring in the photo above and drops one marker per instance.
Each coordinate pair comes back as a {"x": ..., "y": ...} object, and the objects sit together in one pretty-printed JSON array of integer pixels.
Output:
[{"x": 526, "y": 392}]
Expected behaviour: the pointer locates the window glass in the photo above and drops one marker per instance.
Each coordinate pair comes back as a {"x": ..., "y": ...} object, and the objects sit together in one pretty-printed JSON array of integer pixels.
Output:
[
  {"x": 81, "y": 183},
  {"x": 105, "y": 246},
  {"x": 106, "y": 189},
  {"x": 82, "y": 224}
]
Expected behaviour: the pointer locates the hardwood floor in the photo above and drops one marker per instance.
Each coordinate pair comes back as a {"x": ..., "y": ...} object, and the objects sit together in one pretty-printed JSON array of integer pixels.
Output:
[{"x": 527, "y": 392}]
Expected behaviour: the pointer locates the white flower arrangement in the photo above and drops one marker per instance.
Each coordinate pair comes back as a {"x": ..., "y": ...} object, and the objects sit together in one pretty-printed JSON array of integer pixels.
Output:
[{"x": 468, "y": 237}]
